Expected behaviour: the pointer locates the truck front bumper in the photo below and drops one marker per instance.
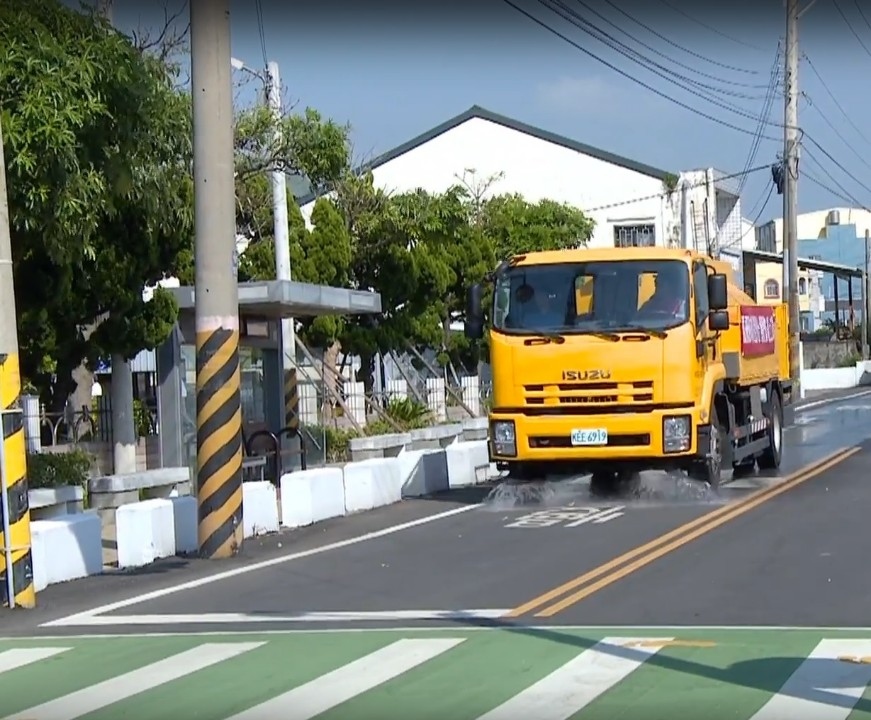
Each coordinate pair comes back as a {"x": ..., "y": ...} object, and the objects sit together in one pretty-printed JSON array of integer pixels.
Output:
[{"x": 660, "y": 435}]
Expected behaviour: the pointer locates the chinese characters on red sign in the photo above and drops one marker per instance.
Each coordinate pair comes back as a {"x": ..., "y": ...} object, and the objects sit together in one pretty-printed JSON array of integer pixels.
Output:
[{"x": 757, "y": 331}]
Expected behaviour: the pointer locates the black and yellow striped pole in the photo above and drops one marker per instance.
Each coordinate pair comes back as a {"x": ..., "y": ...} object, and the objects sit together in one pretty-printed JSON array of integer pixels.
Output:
[
  {"x": 219, "y": 417},
  {"x": 15, "y": 556}
]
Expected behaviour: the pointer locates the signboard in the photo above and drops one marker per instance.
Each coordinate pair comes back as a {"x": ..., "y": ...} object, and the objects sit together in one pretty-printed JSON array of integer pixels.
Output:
[
  {"x": 757, "y": 330},
  {"x": 568, "y": 517}
]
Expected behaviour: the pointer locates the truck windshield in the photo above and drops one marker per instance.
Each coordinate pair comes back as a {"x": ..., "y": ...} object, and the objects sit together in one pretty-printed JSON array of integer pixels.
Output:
[{"x": 592, "y": 297}]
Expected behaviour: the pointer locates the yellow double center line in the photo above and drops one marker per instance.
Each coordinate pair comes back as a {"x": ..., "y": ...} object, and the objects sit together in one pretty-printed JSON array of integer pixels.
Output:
[{"x": 629, "y": 562}]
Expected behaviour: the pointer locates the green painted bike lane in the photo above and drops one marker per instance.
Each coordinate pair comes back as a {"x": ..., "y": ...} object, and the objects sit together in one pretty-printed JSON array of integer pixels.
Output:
[{"x": 493, "y": 674}]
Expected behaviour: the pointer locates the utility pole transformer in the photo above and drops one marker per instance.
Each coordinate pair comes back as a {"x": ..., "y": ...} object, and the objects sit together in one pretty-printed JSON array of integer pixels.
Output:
[
  {"x": 219, "y": 414},
  {"x": 790, "y": 190},
  {"x": 282, "y": 259}
]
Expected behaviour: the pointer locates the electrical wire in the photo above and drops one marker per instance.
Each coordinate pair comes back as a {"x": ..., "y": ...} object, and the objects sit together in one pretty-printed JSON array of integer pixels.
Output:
[
  {"x": 834, "y": 99},
  {"x": 631, "y": 77},
  {"x": 658, "y": 52},
  {"x": 261, "y": 31},
  {"x": 698, "y": 56},
  {"x": 862, "y": 13},
  {"x": 711, "y": 28},
  {"x": 764, "y": 115},
  {"x": 664, "y": 193},
  {"x": 852, "y": 29},
  {"x": 837, "y": 132}
]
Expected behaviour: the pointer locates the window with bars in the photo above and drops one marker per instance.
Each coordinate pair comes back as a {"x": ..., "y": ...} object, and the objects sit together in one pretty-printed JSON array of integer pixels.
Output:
[{"x": 634, "y": 235}]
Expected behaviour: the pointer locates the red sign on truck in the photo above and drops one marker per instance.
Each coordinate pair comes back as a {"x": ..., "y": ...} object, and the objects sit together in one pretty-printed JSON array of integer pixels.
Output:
[{"x": 757, "y": 330}]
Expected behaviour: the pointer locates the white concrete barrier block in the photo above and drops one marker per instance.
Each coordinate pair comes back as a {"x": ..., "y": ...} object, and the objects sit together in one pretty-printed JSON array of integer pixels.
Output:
[
  {"x": 259, "y": 508},
  {"x": 67, "y": 547},
  {"x": 423, "y": 472},
  {"x": 372, "y": 483},
  {"x": 145, "y": 532},
  {"x": 465, "y": 460},
  {"x": 185, "y": 522},
  {"x": 310, "y": 496}
]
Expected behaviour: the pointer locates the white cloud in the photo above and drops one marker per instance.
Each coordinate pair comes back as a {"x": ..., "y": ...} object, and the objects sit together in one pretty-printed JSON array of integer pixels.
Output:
[{"x": 579, "y": 95}]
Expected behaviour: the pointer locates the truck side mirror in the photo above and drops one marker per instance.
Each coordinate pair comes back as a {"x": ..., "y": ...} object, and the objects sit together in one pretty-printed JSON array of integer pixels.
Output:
[
  {"x": 474, "y": 325},
  {"x": 718, "y": 320},
  {"x": 718, "y": 292}
]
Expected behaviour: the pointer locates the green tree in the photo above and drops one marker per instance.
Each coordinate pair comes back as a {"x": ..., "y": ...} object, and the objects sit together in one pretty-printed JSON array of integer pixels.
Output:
[{"x": 98, "y": 148}]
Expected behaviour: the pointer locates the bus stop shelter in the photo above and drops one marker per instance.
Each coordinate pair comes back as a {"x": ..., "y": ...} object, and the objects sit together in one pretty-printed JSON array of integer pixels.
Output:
[
  {"x": 751, "y": 258},
  {"x": 262, "y": 305}
]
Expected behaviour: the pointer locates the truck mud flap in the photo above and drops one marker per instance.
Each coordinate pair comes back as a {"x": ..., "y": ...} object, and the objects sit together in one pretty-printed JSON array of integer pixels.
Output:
[{"x": 788, "y": 415}]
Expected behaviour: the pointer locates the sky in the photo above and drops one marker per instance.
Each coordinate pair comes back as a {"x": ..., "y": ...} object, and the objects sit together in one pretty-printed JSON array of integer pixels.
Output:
[{"x": 394, "y": 70}]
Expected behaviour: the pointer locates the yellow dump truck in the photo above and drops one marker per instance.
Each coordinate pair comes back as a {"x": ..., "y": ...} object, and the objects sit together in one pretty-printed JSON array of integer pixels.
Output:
[{"x": 619, "y": 360}]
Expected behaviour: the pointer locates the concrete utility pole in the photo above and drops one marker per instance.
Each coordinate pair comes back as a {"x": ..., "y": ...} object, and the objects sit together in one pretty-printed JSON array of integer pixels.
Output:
[
  {"x": 16, "y": 563},
  {"x": 282, "y": 256},
  {"x": 219, "y": 417},
  {"x": 790, "y": 189},
  {"x": 866, "y": 300}
]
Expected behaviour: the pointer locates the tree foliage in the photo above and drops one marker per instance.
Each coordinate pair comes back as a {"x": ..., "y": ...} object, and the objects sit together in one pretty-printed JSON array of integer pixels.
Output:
[{"x": 98, "y": 165}]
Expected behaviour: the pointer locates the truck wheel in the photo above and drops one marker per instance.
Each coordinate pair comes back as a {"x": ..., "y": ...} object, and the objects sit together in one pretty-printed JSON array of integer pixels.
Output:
[
  {"x": 709, "y": 469},
  {"x": 773, "y": 454}
]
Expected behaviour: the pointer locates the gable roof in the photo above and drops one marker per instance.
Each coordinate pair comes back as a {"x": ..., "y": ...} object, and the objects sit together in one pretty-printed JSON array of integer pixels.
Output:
[{"x": 476, "y": 111}]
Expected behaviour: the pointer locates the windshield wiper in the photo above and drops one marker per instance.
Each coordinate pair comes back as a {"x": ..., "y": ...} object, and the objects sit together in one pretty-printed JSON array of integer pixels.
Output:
[
  {"x": 613, "y": 337},
  {"x": 645, "y": 331},
  {"x": 542, "y": 338}
]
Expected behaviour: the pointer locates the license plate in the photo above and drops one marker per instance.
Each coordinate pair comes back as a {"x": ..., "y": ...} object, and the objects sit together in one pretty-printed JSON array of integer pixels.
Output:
[{"x": 598, "y": 436}]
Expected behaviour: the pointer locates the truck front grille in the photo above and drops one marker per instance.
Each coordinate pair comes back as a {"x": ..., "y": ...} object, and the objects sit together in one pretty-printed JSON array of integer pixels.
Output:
[{"x": 593, "y": 393}]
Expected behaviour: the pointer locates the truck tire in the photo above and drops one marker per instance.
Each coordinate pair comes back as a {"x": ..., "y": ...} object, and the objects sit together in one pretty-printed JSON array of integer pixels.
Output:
[
  {"x": 773, "y": 454},
  {"x": 709, "y": 469}
]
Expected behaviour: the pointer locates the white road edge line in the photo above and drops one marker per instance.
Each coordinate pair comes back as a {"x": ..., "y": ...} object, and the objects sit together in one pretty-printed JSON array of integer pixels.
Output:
[
  {"x": 831, "y": 401},
  {"x": 272, "y": 562},
  {"x": 429, "y": 630},
  {"x": 306, "y": 617}
]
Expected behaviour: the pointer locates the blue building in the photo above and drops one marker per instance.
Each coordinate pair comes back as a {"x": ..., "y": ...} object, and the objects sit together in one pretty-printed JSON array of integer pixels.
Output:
[{"x": 839, "y": 244}]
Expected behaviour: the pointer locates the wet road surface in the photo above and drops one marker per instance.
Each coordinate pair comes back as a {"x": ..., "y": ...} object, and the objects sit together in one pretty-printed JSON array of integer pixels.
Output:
[{"x": 499, "y": 555}]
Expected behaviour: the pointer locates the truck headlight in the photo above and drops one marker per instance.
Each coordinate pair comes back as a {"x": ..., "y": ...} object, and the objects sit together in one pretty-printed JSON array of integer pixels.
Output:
[
  {"x": 676, "y": 433},
  {"x": 504, "y": 441}
]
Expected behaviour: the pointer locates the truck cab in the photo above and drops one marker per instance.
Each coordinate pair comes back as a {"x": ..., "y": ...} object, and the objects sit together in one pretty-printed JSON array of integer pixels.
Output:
[{"x": 612, "y": 361}]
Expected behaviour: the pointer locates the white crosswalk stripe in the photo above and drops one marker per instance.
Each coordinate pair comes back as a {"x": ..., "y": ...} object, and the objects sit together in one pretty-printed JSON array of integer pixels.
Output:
[
  {"x": 576, "y": 684},
  {"x": 96, "y": 697},
  {"x": 839, "y": 668},
  {"x": 351, "y": 680},
  {"x": 19, "y": 657}
]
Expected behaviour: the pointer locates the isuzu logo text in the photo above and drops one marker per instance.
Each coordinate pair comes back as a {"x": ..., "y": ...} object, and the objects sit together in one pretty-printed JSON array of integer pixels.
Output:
[{"x": 586, "y": 374}]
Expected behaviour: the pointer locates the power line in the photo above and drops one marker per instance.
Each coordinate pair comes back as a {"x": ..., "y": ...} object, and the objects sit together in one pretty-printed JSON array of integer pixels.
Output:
[
  {"x": 813, "y": 159},
  {"x": 852, "y": 29},
  {"x": 654, "y": 50},
  {"x": 627, "y": 75},
  {"x": 709, "y": 27},
  {"x": 862, "y": 13},
  {"x": 837, "y": 132},
  {"x": 764, "y": 116},
  {"x": 654, "y": 196},
  {"x": 834, "y": 99},
  {"x": 698, "y": 56}
]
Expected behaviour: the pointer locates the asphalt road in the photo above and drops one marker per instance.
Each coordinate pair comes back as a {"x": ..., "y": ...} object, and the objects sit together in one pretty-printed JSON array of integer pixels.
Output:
[
  {"x": 751, "y": 603},
  {"x": 536, "y": 554}
]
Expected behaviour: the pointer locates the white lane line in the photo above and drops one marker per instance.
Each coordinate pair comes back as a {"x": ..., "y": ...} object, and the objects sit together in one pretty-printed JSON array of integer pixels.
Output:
[
  {"x": 19, "y": 657},
  {"x": 823, "y": 687},
  {"x": 116, "y": 689},
  {"x": 831, "y": 401},
  {"x": 349, "y": 681},
  {"x": 306, "y": 617},
  {"x": 272, "y": 562},
  {"x": 570, "y": 688}
]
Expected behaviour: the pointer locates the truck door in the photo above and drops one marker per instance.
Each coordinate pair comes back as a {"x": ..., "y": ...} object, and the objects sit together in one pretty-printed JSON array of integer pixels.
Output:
[{"x": 702, "y": 307}]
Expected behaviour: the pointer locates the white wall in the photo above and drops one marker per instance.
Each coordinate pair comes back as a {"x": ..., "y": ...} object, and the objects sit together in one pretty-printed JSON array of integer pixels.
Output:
[{"x": 535, "y": 168}]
